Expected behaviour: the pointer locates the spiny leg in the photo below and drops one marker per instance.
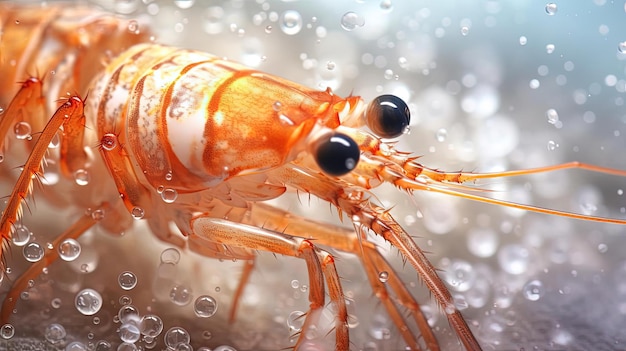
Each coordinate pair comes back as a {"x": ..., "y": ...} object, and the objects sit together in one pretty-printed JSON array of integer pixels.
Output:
[
  {"x": 319, "y": 264},
  {"x": 344, "y": 239},
  {"x": 382, "y": 223},
  {"x": 75, "y": 231},
  {"x": 28, "y": 104},
  {"x": 71, "y": 109}
]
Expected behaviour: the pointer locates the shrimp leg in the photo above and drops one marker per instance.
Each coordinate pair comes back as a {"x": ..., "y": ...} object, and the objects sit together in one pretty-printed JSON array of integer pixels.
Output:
[
  {"x": 28, "y": 104},
  {"x": 320, "y": 264}
]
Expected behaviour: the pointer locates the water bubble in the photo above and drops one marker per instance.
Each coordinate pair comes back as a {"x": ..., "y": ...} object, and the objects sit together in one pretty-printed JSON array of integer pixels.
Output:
[
  {"x": 126, "y": 346},
  {"x": 21, "y": 235},
  {"x": 551, "y": 8},
  {"x": 169, "y": 195},
  {"x": 224, "y": 348},
  {"x": 460, "y": 275},
  {"x": 350, "y": 21},
  {"x": 383, "y": 276},
  {"x": 295, "y": 284},
  {"x": 550, "y": 48},
  {"x": 137, "y": 212},
  {"x": 108, "y": 142},
  {"x": 552, "y": 145},
  {"x": 128, "y": 314},
  {"x": 621, "y": 47},
  {"x": 129, "y": 332},
  {"x": 55, "y": 333},
  {"x": 56, "y": 303},
  {"x": 205, "y": 306},
  {"x": 98, "y": 215},
  {"x": 82, "y": 177},
  {"x": 125, "y": 300},
  {"x": 151, "y": 325},
  {"x": 533, "y": 290},
  {"x": 180, "y": 295},
  {"x": 514, "y": 259},
  {"x": 331, "y": 65},
  {"x": 386, "y": 5},
  {"x": 33, "y": 252},
  {"x": 69, "y": 250},
  {"x": 465, "y": 31},
  {"x": 295, "y": 321},
  {"x": 552, "y": 115},
  {"x": 482, "y": 242},
  {"x": 290, "y": 22},
  {"x": 184, "y": 4},
  {"x": 7, "y": 331},
  {"x": 441, "y": 135},
  {"x": 22, "y": 131},
  {"x": 88, "y": 302},
  {"x": 127, "y": 280},
  {"x": 175, "y": 336},
  {"x": 170, "y": 255},
  {"x": 523, "y": 40},
  {"x": 126, "y": 7}
]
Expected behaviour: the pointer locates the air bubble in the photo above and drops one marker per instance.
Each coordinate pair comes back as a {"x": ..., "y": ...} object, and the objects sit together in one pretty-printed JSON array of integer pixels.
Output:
[
  {"x": 7, "y": 331},
  {"x": 523, "y": 40},
  {"x": 441, "y": 135},
  {"x": 176, "y": 336},
  {"x": 552, "y": 115},
  {"x": 33, "y": 252},
  {"x": 291, "y": 22},
  {"x": 98, "y": 215},
  {"x": 465, "y": 31},
  {"x": 533, "y": 290},
  {"x": 205, "y": 306},
  {"x": 180, "y": 295},
  {"x": 88, "y": 302},
  {"x": 551, "y": 8},
  {"x": 621, "y": 47},
  {"x": 331, "y": 65},
  {"x": 76, "y": 346},
  {"x": 514, "y": 259},
  {"x": 82, "y": 177},
  {"x": 386, "y": 5},
  {"x": 552, "y": 145},
  {"x": 482, "y": 242},
  {"x": 224, "y": 348},
  {"x": 295, "y": 321},
  {"x": 21, "y": 235},
  {"x": 151, "y": 325},
  {"x": 129, "y": 332},
  {"x": 127, "y": 280},
  {"x": 170, "y": 255},
  {"x": 55, "y": 333},
  {"x": 128, "y": 314},
  {"x": 137, "y": 212},
  {"x": 108, "y": 142},
  {"x": 55, "y": 303},
  {"x": 550, "y": 48},
  {"x": 350, "y": 21},
  {"x": 126, "y": 346},
  {"x": 184, "y": 4},
  {"x": 383, "y": 276},
  {"x": 69, "y": 250},
  {"x": 22, "y": 131},
  {"x": 169, "y": 195},
  {"x": 460, "y": 275},
  {"x": 126, "y": 7}
]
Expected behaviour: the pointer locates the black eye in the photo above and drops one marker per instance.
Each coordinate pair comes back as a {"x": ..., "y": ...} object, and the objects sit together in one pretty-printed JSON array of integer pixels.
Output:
[
  {"x": 337, "y": 154},
  {"x": 388, "y": 116}
]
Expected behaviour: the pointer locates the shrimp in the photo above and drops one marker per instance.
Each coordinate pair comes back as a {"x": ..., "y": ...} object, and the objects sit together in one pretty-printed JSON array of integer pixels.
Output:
[{"x": 197, "y": 147}]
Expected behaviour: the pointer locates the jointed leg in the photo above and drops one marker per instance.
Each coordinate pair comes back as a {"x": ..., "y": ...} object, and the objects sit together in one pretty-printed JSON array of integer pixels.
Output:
[{"x": 319, "y": 264}]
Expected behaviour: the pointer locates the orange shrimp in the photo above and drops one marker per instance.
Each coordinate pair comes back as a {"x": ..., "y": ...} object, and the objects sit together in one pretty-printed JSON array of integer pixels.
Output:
[{"x": 193, "y": 140}]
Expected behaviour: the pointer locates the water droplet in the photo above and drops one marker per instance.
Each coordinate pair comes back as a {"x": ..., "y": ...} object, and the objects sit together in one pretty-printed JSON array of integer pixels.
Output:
[
  {"x": 550, "y": 48},
  {"x": 133, "y": 26},
  {"x": 125, "y": 300},
  {"x": 127, "y": 280},
  {"x": 441, "y": 135},
  {"x": 465, "y": 31},
  {"x": 551, "y": 8},
  {"x": 55, "y": 333},
  {"x": 170, "y": 255},
  {"x": 553, "y": 116},
  {"x": 205, "y": 306},
  {"x": 7, "y": 331},
  {"x": 151, "y": 325},
  {"x": 268, "y": 29},
  {"x": 295, "y": 321},
  {"x": 621, "y": 47},
  {"x": 386, "y": 5},
  {"x": 460, "y": 275},
  {"x": 168, "y": 176},
  {"x": 383, "y": 276},
  {"x": 108, "y": 142},
  {"x": 22, "y": 130},
  {"x": 88, "y": 302},
  {"x": 169, "y": 195},
  {"x": 533, "y": 290},
  {"x": 175, "y": 336},
  {"x": 98, "y": 215},
  {"x": 350, "y": 21},
  {"x": 523, "y": 40},
  {"x": 602, "y": 248},
  {"x": 513, "y": 258},
  {"x": 129, "y": 332},
  {"x": 295, "y": 284},
  {"x": 82, "y": 177},
  {"x": 69, "y": 250},
  {"x": 20, "y": 235},
  {"x": 137, "y": 212},
  {"x": 331, "y": 65},
  {"x": 180, "y": 295},
  {"x": 290, "y": 22},
  {"x": 33, "y": 252},
  {"x": 184, "y": 4},
  {"x": 552, "y": 145}
]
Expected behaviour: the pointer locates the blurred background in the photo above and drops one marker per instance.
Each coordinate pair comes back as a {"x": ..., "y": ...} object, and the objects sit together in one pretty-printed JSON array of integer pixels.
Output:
[{"x": 491, "y": 86}]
